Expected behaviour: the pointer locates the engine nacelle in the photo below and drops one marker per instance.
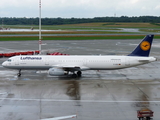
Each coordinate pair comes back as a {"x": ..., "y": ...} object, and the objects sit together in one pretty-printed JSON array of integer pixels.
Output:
[{"x": 56, "y": 72}]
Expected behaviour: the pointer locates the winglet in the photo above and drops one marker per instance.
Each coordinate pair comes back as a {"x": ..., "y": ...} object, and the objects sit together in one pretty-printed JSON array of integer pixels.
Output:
[{"x": 143, "y": 49}]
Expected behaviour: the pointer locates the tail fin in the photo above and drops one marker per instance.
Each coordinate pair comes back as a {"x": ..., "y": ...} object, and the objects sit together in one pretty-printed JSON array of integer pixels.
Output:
[{"x": 143, "y": 49}]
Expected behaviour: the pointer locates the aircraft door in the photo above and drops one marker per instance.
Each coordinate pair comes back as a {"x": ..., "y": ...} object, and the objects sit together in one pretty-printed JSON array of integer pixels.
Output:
[
  {"x": 46, "y": 61},
  {"x": 85, "y": 62},
  {"x": 127, "y": 61},
  {"x": 17, "y": 61}
]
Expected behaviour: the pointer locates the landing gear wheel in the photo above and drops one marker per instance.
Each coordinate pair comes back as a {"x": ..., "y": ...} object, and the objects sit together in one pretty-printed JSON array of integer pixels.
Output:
[
  {"x": 79, "y": 73},
  {"x": 148, "y": 118},
  {"x": 19, "y": 74},
  {"x": 74, "y": 75}
]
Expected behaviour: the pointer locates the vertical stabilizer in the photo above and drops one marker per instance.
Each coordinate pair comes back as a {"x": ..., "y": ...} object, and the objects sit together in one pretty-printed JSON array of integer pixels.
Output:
[{"x": 143, "y": 49}]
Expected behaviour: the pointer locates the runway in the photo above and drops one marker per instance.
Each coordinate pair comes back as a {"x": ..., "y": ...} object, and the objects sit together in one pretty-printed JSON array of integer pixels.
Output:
[{"x": 97, "y": 95}]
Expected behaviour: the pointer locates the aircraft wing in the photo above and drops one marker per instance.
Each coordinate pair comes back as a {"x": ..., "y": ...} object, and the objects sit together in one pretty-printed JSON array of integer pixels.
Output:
[
  {"x": 61, "y": 118},
  {"x": 71, "y": 67}
]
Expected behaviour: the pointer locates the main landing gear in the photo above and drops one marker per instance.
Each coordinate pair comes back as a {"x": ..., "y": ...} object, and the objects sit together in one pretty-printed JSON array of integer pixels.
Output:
[
  {"x": 74, "y": 75},
  {"x": 19, "y": 74},
  {"x": 79, "y": 74}
]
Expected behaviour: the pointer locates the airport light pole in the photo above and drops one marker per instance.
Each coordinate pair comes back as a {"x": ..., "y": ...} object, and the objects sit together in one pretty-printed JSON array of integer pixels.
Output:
[
  {"x": 40, "y": 33},
  {"x": 40, "y": 48}
]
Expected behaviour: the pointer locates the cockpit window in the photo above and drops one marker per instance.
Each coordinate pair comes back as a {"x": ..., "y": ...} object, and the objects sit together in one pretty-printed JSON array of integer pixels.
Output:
[{"x": 9, "y": 60}]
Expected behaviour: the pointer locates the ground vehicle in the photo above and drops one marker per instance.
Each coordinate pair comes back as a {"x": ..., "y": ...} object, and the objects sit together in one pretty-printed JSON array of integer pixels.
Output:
[{"x": 145, "y": 114}]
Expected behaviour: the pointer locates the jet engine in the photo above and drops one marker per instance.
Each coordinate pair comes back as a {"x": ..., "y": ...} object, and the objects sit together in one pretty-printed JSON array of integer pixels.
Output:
[{"x": 56, "y": 72}]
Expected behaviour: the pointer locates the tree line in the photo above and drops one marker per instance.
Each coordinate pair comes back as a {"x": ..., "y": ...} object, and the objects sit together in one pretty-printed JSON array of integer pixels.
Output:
[{"x": 62, "y": 21}]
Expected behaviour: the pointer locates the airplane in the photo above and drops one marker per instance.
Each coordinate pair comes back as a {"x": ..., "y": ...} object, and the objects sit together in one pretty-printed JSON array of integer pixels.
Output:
[
  {"x": 61, "y": 118},
  {"x": 74, "y": 64}
]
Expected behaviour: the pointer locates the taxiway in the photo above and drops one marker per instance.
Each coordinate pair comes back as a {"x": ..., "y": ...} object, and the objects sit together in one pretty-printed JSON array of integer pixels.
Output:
[{"x": 98, "y": 95}]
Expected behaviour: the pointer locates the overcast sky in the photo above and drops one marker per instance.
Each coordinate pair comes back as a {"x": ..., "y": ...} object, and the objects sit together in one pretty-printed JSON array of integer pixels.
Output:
[{"x": 79, "y": 8}]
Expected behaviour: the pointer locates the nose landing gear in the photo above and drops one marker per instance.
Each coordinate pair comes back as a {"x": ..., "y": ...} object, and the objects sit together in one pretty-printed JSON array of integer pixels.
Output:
[{"x": 19, "y": 74}]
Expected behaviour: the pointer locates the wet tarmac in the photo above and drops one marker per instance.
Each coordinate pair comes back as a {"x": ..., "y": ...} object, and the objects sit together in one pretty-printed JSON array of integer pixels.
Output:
[{"x": 97, "y": 95}]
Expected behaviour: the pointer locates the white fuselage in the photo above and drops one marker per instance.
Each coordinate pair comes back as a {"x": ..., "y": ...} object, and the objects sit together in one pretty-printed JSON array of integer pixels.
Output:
[{"x": 84, "y": 62}]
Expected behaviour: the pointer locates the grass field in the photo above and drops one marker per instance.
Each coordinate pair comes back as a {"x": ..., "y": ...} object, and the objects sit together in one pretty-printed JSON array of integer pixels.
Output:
[
  {"x": 103, "y": 25},
  {"x": 85, "y": 28},
  {"x": 61, "y": 32},
  {"x": 115, "y": 25},
  {"x": 76, "y": 37}
]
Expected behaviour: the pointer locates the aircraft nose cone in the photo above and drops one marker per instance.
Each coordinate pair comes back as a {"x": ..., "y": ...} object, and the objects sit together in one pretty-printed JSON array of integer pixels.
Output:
[{"x": 3, "y": 64}]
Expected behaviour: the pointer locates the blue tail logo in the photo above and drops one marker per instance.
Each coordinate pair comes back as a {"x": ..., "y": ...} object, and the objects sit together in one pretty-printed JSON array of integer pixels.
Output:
[{"x": 143, "y": 49}]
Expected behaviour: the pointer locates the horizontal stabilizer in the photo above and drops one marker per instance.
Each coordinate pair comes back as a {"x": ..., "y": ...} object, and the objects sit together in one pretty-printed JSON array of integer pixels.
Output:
[{"x": 144, "y": 61}]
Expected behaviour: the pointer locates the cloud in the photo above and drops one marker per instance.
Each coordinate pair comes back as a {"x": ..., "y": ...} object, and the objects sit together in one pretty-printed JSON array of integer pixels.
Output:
[
  {"x": 157, "y": 7},
  {"x": 80, "y": 8}
]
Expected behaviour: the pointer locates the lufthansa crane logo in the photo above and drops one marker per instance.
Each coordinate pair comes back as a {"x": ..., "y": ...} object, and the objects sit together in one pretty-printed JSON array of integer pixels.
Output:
[{"x": 145, "y": 45}]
